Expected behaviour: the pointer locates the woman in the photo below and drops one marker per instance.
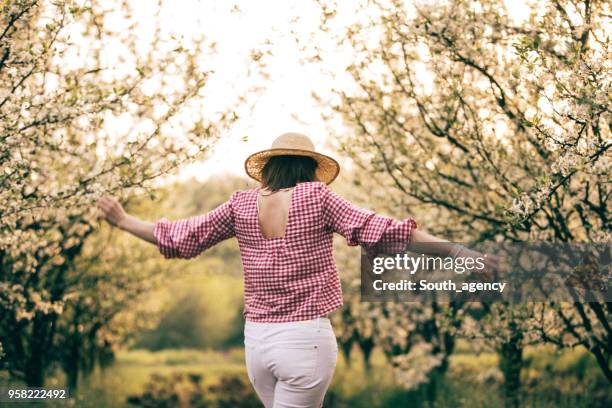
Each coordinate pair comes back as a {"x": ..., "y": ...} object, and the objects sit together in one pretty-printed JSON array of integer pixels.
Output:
[{"x": 284, "y": 231}]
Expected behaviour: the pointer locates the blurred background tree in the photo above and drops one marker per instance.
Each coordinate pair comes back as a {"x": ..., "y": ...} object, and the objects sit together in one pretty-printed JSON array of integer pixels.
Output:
[
  {"x": 89, "y": 107},
  {"x": 493, "y": 129},
  {"x": 202, "y": 301}
]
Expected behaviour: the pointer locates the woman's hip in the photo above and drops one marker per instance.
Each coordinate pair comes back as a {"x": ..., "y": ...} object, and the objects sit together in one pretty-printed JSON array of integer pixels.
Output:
[
  {"x": 307, "y": 333},
  {"x": 301, "y": 354}
]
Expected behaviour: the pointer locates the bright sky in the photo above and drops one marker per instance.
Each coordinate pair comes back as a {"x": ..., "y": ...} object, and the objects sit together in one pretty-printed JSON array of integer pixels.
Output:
[{"x": 286, "y": 104}]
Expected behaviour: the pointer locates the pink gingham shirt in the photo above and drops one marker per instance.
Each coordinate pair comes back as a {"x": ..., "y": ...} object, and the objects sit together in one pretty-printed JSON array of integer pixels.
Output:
[{"x": 293, "y": 277}]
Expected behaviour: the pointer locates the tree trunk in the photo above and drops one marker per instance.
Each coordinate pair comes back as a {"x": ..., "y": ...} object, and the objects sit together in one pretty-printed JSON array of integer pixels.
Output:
[
  {"x": 34, "y": 372},
  {"x": 433, "y": 385},
  {"x": 511, "y": 364},
  {"x": 366, "y": 345},
  {"x": 72, "y": 365},
  {"x": 346, "y": 347}
]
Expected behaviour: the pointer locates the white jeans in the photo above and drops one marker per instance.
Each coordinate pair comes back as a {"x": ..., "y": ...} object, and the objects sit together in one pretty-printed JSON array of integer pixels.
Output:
[{"x": 290, "y": 364}]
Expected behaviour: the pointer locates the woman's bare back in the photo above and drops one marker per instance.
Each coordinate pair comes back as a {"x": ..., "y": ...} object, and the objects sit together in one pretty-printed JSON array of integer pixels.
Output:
[{"x": 273, "y": 212}]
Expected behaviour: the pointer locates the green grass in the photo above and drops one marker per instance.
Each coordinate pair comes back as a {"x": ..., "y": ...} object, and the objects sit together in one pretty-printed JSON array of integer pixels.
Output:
[
  {"x": 132, "y": 369},
  {"x": 551, "y": 379}
]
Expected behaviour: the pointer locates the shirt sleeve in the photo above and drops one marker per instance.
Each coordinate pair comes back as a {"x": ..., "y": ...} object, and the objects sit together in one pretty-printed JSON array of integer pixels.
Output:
[
  {"x": 377, "y": 234},
  {"x": 189, "y": 237}
]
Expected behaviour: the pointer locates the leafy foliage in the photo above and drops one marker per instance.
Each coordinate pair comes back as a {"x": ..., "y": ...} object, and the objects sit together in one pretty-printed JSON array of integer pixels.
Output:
[
  {"x": 89, "y": 106},
  {"x": 185, "y": 389},
  {"x": 490, "y": 129}
]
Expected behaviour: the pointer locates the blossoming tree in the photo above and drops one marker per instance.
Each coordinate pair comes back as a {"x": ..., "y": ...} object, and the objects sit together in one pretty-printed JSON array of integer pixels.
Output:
[
  {"x": 498, "y": 125},
  {"x": 93, "y": 101}
]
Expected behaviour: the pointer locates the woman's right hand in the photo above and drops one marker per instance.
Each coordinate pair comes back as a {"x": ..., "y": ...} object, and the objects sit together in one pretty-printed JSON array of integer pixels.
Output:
[{"x": 111, "y": 210}]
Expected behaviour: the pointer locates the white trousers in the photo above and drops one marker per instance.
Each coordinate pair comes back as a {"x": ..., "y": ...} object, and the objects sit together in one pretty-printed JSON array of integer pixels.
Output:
[{"x": 290, "y": 364}]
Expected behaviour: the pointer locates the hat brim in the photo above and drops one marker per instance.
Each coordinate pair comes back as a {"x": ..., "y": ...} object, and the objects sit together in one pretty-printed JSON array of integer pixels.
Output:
[{"x": 327, "y": 168}]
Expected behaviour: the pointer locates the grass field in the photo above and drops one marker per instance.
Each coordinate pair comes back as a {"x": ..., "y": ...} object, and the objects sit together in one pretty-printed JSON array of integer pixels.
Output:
[{"x": 551, "y": 379}]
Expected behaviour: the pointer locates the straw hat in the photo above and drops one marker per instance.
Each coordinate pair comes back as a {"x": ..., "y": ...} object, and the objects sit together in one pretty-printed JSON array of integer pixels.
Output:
[{"x": 294, "y": 144}]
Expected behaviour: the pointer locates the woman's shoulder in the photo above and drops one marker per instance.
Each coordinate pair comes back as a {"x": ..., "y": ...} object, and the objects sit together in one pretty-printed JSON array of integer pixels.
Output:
[
  {"x": 241, "y": 195},
  {"x": 312, "y": 191},
  {"x": 315, "y": 186}
]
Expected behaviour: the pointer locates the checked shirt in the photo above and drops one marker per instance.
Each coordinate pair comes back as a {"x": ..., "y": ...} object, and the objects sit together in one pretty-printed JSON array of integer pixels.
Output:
[{"x": 293, "y": 277}]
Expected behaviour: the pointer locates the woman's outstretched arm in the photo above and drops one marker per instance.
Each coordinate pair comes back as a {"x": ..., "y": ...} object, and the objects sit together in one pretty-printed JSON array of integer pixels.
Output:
[
  {"x": 422, "y": 242},
  {"x": 184, "y": 238},
  {"x": 380, "y": 234},
  {"x": 112, "y": 211}
]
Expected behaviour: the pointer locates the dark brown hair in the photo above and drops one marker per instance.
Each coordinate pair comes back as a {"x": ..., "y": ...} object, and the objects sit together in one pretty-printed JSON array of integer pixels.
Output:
[{"x": 286, "y": 171}]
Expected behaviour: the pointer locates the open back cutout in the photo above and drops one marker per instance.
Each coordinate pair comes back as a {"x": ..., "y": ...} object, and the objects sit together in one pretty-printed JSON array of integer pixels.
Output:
[{"x": 273, "y": 213}]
